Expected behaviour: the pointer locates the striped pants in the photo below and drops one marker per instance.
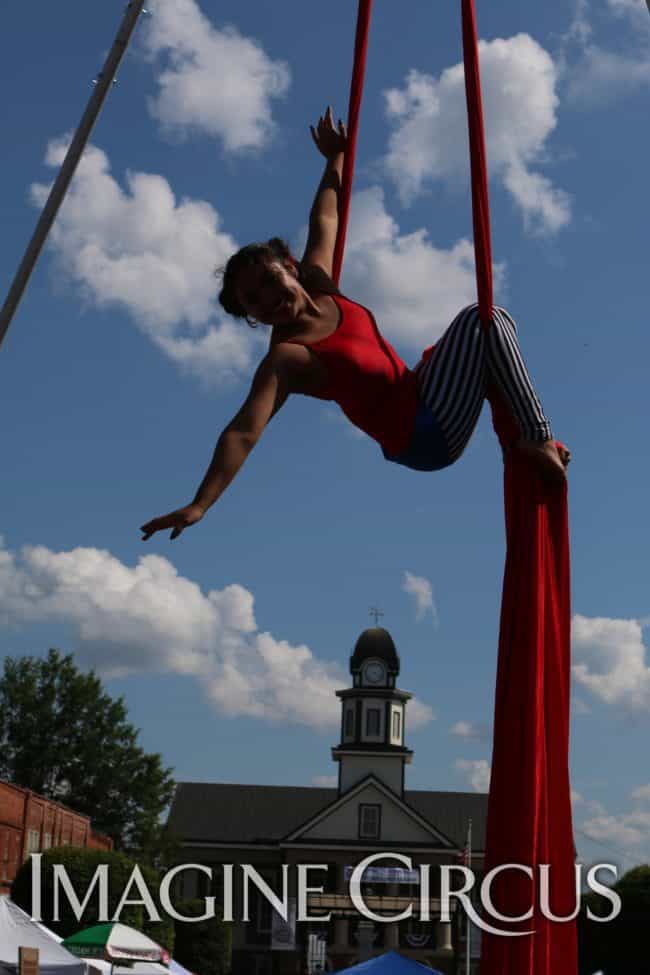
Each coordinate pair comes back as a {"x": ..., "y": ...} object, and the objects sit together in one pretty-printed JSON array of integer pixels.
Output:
[{"x": 452, "y": 382}]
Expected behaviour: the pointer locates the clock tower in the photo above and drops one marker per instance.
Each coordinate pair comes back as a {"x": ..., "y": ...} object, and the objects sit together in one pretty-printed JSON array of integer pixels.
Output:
[{"x": 372, "y": 716}]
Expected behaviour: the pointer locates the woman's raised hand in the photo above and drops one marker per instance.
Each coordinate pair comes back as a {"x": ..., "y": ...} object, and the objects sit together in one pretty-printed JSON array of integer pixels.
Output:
[
  {"x": 177, "y": 520},
  {"x": 330, "y": 139}
]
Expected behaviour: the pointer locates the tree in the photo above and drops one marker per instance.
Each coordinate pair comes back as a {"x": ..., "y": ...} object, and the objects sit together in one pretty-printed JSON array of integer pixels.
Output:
[
  {"x": 202, "y": 946},
  {"x": 80, "y": 866},
  {"x": 620, "y": 946},
  {"x": 63, "y": 736}
]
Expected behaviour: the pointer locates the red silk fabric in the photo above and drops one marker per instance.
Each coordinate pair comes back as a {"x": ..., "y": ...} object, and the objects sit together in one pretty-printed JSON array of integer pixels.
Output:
[
  {"x": 478, "y": 164},
  {"x": 354, "y": 109},
  {"x": 529, "y": 811}
]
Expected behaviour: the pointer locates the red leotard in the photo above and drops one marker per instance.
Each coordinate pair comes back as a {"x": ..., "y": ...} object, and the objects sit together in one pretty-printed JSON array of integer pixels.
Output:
[{"x": 366, "y": 377}]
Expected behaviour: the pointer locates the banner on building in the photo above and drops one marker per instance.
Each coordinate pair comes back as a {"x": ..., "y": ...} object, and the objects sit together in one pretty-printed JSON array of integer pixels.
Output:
[{"x": 386, "y": 875}]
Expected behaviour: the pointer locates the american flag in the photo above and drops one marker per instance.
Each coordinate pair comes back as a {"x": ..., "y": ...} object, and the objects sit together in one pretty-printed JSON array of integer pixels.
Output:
[{"x": 465, "y": 855}]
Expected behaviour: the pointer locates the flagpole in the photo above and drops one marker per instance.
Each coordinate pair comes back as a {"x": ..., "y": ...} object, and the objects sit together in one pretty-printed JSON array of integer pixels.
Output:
[
  {"x": 69, "y": 165},
  {"x": 468, "y": 960}
]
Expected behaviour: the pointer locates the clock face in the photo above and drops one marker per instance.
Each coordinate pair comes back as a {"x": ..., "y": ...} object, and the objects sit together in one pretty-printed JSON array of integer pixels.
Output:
[{"x": 374, "y": 673}]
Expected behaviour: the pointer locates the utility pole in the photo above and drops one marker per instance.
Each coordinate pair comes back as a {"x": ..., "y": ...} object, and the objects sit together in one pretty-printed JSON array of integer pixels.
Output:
[{"x": 102, "y": 86}]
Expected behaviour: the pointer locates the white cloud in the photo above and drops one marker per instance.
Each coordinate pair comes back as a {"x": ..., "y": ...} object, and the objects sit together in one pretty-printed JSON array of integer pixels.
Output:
[
  {"x": 626, "y": 835},
  {"x": 325, "y": 781},
  {"x": 142, "y": 250},
  {"x": 429, "y": 141},
  {"x": 610, "y": 661},
  {"x": 601, "y": 75},
  {"x": 414, "y": 289},
  {"x": 419, "y": 713},
  {"x": 422, "y": 592},
  {"x": 472, "y": 731},
  {"x": 635, "y": 10},
  {"x": 596, "y": 75},
  {"x": 212, "y": 80},
  {"x": 582, "y": 805},
  {"x": 149, "y": 619},
  {"x": 476, "y": 773}
]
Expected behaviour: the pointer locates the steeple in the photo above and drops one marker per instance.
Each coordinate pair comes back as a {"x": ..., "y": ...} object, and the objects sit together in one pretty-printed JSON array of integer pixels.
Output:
[{"x": 372, "y": 715}]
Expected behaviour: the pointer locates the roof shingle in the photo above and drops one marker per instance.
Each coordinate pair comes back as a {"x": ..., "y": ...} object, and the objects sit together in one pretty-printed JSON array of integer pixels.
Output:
[{"x": 261, "y": 814}]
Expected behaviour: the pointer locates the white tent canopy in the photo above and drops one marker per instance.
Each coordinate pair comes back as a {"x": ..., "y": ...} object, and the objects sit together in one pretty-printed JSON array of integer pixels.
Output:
[
  {"x": 17, "y": 930},
  {"x": 138, "y": 968}
]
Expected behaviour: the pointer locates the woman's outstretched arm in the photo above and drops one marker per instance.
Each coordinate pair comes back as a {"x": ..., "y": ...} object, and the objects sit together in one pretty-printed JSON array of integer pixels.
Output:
[
  {"x": 269, "y": 391},
  {"x": 331, "y": 141}
]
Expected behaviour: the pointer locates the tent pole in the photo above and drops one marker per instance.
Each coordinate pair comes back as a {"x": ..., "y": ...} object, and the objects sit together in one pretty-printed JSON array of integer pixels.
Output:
[{"x": 57, "y": 194}]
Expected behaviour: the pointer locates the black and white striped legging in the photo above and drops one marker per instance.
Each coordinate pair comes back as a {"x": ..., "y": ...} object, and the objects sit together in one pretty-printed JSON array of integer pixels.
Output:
[{"x": 453, "y": 380}]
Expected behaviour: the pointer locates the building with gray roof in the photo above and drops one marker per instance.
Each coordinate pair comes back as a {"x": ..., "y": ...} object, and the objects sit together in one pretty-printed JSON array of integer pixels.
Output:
[{"x": 276, "y": 855}]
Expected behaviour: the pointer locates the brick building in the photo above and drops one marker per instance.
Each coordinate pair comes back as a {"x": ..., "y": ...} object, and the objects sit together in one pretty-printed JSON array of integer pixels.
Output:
[{"x": 30, "y": 823}]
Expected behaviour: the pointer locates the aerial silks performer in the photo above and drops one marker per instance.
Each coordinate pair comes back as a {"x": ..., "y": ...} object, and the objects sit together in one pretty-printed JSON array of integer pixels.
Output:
[
  {"x": 529, "y": 810},
  {"x": 325, "y": 345}
]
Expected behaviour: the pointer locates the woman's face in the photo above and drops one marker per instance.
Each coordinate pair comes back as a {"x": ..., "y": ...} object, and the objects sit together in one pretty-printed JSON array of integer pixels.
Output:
[{"x": 270, "y": 292}]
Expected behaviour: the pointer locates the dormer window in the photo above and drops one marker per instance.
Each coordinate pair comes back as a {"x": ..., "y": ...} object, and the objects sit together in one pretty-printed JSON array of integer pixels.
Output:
[{"x": 369, "y": 821}]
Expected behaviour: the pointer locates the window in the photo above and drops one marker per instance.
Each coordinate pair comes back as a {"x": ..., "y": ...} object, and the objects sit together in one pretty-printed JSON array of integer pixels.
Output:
[
  {"x": 373, "y": 721},
  {"x": 33, "y": 841},
  {"x": 369, "y": 821},
  {"x": 47, "y": 841},
  {"x": 349, "y": 723},
  {"x": 397, "y": 725}
]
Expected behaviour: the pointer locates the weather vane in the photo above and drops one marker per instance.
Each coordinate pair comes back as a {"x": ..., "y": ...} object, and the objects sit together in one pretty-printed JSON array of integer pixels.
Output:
[{"x": 377, "y": 613}]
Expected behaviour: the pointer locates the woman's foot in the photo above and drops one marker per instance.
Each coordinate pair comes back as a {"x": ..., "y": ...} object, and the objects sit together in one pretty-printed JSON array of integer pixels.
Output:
[{"x": 550, "y": 462}]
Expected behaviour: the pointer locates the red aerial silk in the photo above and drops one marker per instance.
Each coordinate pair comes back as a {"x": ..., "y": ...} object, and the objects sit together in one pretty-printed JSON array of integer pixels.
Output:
[
  {"x": 354, "y": 109},
  {"x": 529, "y": 810}
]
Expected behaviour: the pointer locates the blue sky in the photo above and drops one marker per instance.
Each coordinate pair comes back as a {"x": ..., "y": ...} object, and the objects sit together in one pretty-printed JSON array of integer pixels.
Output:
[{"x": 120, "y": 370}]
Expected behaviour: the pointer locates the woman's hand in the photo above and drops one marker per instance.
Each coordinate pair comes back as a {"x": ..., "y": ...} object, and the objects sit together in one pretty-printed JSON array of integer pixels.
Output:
[
  {"x": 330, "y": 140},
  {"x": 177, "y": 520}
]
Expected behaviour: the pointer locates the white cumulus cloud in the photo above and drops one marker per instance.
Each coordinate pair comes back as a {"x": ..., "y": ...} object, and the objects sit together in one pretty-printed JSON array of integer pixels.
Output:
[
  {"x": 595, "y": 75},
  {"x": 602, "y": 75},
  {"x": 476, "y": 772},
  {"x": 472, "y": 731},
  {"x": 623, "y": 836},
  {"x": 137, "y": 248},
  {"x": 211, "y": 80},
  {"x": 422, "y": 592},
  {"x": 626, "y": 835},
  {"x": 414, "y": 288},
  {"x": 429, "y": 138},
  {"x": 140, "y": 249},
  {"x": 149, "y": 619},
  {"x": 610, "y": 661}
]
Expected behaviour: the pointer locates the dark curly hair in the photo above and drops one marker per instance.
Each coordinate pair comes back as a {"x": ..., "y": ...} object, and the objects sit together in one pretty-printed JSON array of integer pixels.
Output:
[{"x": 274, "y": 249}]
